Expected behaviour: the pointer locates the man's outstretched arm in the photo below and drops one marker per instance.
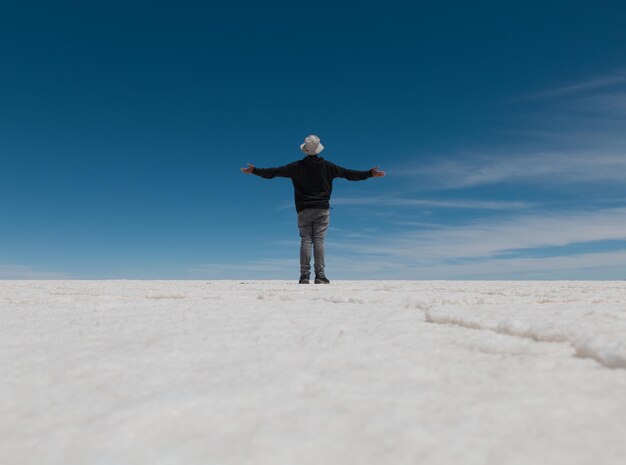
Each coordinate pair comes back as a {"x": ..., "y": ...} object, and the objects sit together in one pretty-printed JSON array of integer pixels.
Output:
[
  {"x": 268, "y": 173},
  {"x": 354, "y": 175}
]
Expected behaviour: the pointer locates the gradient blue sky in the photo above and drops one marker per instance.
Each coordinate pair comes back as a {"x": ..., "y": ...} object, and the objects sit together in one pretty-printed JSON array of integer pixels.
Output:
[{"x": 501, "y": 125}]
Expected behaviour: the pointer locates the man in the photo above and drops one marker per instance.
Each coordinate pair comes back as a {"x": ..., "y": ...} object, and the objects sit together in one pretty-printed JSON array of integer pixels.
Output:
[{"x": 312, "y": 179}]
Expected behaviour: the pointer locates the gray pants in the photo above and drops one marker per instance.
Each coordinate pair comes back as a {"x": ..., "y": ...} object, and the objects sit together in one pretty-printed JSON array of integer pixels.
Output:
[{"x": 313, "y": 224}]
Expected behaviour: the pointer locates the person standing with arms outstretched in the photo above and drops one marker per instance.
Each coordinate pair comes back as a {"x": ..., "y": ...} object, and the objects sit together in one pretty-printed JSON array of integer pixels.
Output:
[{"x": 312, "y": 179}]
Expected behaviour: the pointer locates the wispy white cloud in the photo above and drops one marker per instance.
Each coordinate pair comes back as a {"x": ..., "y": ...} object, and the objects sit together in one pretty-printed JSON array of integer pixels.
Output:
[
  {"x": 388, "y": 201},
  {"x": 10, "y": 271},
  {"x": 596, "y": 83},
  {"x": 485, "y": 239},
  {"x": 608, "y": 104},
  {"x": 604, "y": 265},
  {"x": 557, "y": 168}
]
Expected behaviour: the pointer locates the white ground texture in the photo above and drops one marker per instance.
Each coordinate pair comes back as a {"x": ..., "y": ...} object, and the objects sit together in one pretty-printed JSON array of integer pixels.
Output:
[{"x": 272, "y": 372}]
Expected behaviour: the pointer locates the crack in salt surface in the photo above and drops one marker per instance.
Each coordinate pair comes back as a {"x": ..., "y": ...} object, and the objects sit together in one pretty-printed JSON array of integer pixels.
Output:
[{"x": 600, "y": 338}]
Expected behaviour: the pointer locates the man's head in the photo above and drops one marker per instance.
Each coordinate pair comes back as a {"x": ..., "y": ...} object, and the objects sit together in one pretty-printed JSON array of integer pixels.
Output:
[{"x": 312, "y": 145}]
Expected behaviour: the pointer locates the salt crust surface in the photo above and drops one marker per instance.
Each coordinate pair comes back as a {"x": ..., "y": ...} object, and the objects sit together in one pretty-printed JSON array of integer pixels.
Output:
[{"x": 270, "y": 372}]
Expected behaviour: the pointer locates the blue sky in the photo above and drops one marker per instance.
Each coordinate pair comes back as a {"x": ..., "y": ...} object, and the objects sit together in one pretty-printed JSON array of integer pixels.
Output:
[{"x": 502, "y": 128}]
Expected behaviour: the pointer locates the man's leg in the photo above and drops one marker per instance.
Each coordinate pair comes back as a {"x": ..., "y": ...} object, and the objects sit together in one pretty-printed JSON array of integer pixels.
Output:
[
  {"x": 305, "y": 225},
  {"x": 320, "y": 226}
]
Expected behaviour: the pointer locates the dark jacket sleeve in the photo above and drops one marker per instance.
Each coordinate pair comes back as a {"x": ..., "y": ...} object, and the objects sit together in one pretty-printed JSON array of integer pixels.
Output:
[
  {"x": 269, "y": 173},
  {"x": 350, "y": 175}
]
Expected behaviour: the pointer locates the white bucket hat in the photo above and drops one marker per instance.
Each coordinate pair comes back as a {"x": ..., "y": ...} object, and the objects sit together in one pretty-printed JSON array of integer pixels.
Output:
[{"x": 312, "y": 145}]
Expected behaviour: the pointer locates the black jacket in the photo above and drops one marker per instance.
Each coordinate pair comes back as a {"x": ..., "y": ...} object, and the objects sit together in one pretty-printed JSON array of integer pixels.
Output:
[{"x": 312, "y": 179}]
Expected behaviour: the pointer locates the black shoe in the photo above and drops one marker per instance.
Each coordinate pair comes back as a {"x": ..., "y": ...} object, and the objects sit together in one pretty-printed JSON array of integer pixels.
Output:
[
  {"x": 304, "y": 279},
  {"x": 321, "y": 280}
]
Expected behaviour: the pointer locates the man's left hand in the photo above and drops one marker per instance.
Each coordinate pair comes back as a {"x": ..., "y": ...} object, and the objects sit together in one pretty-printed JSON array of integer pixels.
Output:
[{"x": 377, "y": 173}]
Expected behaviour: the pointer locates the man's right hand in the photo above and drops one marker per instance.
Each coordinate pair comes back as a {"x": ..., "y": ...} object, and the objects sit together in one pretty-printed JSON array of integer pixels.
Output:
[{"x": 249, "y": 169}]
